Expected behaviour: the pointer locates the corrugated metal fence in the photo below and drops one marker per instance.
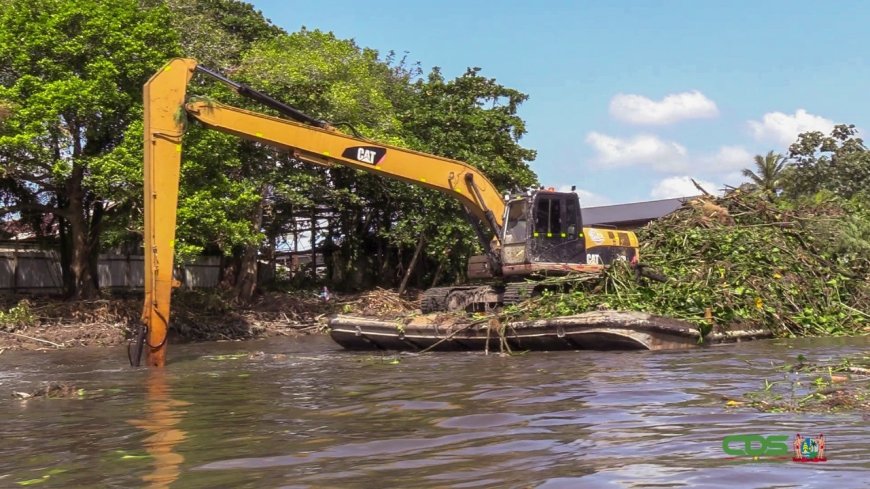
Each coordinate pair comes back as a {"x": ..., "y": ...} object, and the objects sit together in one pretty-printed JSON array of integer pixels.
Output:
[{"x": 39, "y": 272}]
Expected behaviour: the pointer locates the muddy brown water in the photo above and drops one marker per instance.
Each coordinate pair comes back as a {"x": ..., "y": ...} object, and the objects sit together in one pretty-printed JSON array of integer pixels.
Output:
[{"x": 303, "y": 413}]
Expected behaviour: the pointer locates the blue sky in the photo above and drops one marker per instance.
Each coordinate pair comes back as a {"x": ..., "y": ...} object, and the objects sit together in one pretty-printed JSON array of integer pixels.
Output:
[{"x": 629, "y": 99}]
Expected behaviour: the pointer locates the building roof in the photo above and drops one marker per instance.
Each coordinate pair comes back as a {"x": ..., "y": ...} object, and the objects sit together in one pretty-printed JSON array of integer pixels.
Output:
[{"x": 631, "y": 213}]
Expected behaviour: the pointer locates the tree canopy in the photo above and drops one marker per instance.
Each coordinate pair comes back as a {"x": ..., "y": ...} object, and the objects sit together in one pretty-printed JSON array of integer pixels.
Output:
[
  {"x": 768, "y": 172},
  {"x": 71, "y": 132},
  {"x": 839, "y": 163},
  {"x": 70, "y": 78}
]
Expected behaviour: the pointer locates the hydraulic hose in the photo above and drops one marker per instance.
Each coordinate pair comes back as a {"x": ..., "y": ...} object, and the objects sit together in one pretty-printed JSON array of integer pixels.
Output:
[{"x": 139, "y": 345}]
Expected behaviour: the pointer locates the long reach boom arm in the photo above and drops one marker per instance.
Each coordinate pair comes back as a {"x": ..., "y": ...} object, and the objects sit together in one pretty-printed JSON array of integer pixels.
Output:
[{"x": 309, "y": 139}]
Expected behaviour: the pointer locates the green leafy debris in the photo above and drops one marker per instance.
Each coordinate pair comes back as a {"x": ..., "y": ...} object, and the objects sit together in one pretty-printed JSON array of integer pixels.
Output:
[{"x": 793, "y": 267}]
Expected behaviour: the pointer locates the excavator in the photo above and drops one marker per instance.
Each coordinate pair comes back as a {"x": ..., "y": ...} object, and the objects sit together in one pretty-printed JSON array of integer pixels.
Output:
[{"x": 530, "y": 234}]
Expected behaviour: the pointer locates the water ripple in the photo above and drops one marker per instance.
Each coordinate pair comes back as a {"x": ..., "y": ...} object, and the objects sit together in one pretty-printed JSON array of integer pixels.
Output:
[{"x": 305, "y": 415}]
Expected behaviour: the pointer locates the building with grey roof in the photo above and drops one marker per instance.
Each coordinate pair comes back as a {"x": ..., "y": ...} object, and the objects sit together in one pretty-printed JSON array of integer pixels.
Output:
[{"x": 630, "y": 216}]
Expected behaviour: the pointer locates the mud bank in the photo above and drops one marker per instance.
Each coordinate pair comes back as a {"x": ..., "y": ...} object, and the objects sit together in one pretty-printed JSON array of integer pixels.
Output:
[{"x": 32, "y": 323}]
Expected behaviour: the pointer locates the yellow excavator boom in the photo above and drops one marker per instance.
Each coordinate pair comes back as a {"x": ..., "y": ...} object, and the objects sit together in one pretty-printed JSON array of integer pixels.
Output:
[
  {"x": 311, "y": 140},
  {"x": 164, "y": 94},
  {"x": 326, "y": 147},
  {"x": 164, "y": 99}
]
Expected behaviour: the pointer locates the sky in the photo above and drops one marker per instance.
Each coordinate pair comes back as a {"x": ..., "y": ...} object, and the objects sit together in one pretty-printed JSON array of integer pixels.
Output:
[{"x": 628, "y": 100}]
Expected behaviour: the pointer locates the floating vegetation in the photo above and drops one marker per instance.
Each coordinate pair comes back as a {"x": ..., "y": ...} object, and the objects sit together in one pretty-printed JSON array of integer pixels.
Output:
[
  {"x": 795, "y": 268},
  {"x": 52, "y": 390},
  {"x": 814, "y": 387}
]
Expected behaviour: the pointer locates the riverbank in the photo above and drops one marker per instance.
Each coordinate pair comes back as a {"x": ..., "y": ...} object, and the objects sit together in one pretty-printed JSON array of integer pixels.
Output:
[{"x": 33, "y": 323}]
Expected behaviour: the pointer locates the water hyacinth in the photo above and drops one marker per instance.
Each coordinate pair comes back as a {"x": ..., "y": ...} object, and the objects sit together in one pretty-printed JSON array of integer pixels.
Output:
[{"x": 796, "y": 268}]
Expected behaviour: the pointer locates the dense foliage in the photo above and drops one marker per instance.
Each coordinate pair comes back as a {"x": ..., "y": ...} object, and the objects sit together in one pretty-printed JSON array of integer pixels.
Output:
[
  {"x": 796, "y": 266},
  {"x": 70, "y": 142},
  {"x": 789, "y": 252},
  {"x": 838, "y": 163},
  {"x": 71, "y": 77}
]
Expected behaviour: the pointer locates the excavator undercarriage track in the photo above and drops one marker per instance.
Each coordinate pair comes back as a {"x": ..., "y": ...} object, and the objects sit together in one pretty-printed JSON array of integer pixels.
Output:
[
  {"x": 471, "y": 298},
  {"x": 476, "y": 298},
  {"x": 516, "y": 292}
]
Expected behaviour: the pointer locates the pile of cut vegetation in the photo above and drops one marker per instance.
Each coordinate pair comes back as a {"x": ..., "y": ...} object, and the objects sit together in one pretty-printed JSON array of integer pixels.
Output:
[
  {"x": 380, "y": 303},
  {"x": 197, "y": 315},
  {"x": 796, "y": 268},
  {"x": 46, "y": 322}
]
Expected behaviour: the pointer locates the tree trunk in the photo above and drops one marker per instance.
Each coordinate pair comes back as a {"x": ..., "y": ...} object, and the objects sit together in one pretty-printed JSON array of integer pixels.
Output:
[
  {"x": 273, "y": 262},
  {"x": 65, "y": 256},
  {"x": 314, "y": 244},
  {"x": 94, "y": 248},
  {"x": 437, "y": 276},
  {"x": 413, "y": 264},
  {"x": 227, "y": 274},
  {"x": 385, "y": 278},
  {"x": 80, "y": 259},
  {"x": 295, "y": 236},
  {"x": 246, "y": 281}
]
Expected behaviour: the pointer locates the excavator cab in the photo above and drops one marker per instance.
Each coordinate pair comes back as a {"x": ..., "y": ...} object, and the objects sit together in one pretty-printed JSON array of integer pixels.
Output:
[
  {"x": 545, "y": 227},
  {"x": 557, "y": 236}
]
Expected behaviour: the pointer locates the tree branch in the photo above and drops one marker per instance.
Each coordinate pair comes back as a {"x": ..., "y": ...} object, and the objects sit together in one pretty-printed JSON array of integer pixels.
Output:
[
  {"x": 34, "y": 207},
  {"x": 699, "y": 187}
]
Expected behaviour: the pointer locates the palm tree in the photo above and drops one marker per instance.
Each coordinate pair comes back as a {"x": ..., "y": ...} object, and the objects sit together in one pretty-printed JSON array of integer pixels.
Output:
[{"x": 770, "y": 170}]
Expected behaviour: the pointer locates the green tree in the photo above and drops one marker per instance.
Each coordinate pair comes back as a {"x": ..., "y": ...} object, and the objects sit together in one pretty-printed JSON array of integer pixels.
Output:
[
  {"x": 473, "y": 119},
  {"x": 326, "y": 77},
  {"x": 839, "y": 163},
  {"x": 335, "y": 80},
  {"x": 220, "y": 203},
  {"x": 71, "y": 74},
  {"x": 768, "y": 172},
  {"x": 217, "y": 32}
]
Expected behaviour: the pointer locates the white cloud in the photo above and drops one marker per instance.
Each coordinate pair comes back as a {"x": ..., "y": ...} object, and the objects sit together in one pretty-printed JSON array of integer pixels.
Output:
[
  {"x": 587, "y": 198},
  {"x": 734, "y": 179},
  {"x": 666, "y": 156},
  {"x": 784, "y": 128},
  {"x": 728, "y": 158},
  {"x": 682, "y": 186},
  {"x": 643, "y": 149},
  {"x": 638, "y": 109},
  {"x": 591, "y": 199}
]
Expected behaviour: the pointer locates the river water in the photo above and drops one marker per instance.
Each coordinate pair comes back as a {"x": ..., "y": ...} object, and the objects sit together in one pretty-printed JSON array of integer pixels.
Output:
[{"x": 303, "y": 413}]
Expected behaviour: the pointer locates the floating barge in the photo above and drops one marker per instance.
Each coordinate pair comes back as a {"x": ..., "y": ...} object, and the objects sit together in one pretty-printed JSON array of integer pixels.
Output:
[{"x": 597, "y": 330}]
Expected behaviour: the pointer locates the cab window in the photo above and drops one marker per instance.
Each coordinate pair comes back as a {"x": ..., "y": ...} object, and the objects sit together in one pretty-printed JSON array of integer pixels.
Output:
[
  {"x": 516, "y": 229},
  {"x": 548, "y": 217}
]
